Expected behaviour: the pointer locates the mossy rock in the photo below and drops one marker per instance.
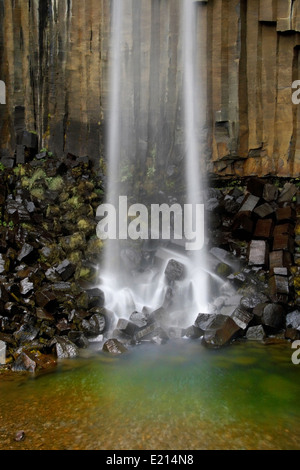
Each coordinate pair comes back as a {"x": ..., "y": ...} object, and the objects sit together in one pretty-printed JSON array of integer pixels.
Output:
[
  {"x": 74, "y": 242},
  {"x": 223, "y": 270},
  {"x": 55, "y": 184},
  {"x": 87, "y": 226}
]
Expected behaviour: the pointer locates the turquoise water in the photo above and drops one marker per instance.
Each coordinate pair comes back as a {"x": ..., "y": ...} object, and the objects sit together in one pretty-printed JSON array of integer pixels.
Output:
[{"x": 176, "y": 396}]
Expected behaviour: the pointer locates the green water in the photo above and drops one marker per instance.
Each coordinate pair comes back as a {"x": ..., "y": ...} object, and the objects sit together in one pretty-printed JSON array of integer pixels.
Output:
[{"x": 176, "y": 396}]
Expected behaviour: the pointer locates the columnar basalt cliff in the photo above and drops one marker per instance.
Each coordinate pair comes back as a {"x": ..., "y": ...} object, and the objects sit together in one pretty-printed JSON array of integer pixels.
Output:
[{"x": 55, "y": 63}]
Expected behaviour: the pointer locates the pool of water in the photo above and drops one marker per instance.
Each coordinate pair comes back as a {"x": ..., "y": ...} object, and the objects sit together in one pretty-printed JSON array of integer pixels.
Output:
[{"x": 178, "y": 396}]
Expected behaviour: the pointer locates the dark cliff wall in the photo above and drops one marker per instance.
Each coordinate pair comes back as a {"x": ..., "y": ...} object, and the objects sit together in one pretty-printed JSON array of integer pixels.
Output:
[{"x": 54, "y": 61}]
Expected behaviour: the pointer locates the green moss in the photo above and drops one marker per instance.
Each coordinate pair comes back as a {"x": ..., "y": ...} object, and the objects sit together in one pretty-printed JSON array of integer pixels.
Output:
[{"x": 55, "y": 184}]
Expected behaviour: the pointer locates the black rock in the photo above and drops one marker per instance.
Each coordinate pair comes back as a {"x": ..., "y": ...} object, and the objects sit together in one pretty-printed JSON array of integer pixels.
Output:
[
  {"x": 114, "y": 346},
  {"x": 65, "y": 270},
  {"x": 174, "y": 271},
  {"x": 95, "y": 297},
  {"x": 293, "y": 320},
  {"x": 23, "y": 363},
  {"x": 273, "y": 316},
  {"x": 94, "y": 326},
  {"x": 79, "y": 339},
  {"x": 64, "y": 348}
]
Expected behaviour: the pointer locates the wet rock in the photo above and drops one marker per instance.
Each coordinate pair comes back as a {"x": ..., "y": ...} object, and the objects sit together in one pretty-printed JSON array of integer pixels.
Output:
[
  {"x": 249, "y": 204},
  {"x": 193, "y": 332},
  {"x": 138, "y": 318},
  {"x": 293, "y": 320},
  {"x": 26, "y": 333},
  {"x": 256, "y": 333},
  {"x": 273, "y": 316},
  {"x": 264, "y": 210},
  {"x": 28, "y": 254},
  {"x": 26, "y": 286},
  {"x": 220, "y": 331},
  {"x": 79, "y": 339},
  {"x": 176, "y": 332},
  {"x": 263, "y": 229},
  {"x": 46, "y": 299},
  {"x": 256, "y": 186},
  {"x": 64, "y": 348},
  {"x": 96, "y": 297},
  {"x": 279, "y": 258},
  {"x": 42, "y": 314},
  {"x": 270, "y": 192},
  {"x": 127, "y": 327},
  {"x": 65, "y": 270},
  {"x": 249, "y": 303},
  {"x": 29, "y": 140},
  {"x": 143, "y": 333},
  {"x": 285, "y": 214},
  {"x": 242, "y": 317},
  {"x": 175, "y": 271},
  {"x": 93, "y": 326},
  {"x": 23, "y": 363},
  {"x": 258, "y": 253},
  {"x": 114, "y": 346},
  {"x": 289, "y": 190}
]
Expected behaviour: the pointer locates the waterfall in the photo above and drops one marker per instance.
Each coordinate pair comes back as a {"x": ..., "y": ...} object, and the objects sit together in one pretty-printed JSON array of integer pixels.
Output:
[
  {"x": 133, "y": 276},
  {"x": 193, "y": 121}
]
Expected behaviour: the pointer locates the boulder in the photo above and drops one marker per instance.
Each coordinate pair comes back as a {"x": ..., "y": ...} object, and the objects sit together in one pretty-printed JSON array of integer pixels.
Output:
[
  {"x": 174, "y": 271},
  {"x": 64, "y": 348},
  {"x": 256, "y": 333},
  {"x": 114, "y": 346},
  {"x": 293, "y": 320},
  {"x": 273, "y": 316},
  {"x": 94, "y": 326}
]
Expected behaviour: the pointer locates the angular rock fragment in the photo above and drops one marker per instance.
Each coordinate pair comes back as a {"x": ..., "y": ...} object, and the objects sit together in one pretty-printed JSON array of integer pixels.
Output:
[
  {"x": 65, "y": 270},
  {"x": 64, "y": 348},
  {"x": 273, "y": 316},
  {"x": 285, "y": 214},
  {"x": 46, "y": 299},
  {"x": 174, "y": 271},
  {"x": 140, "y": 319},
  {"x": 127, "y": 326},
  {"x": 26, "y": 333},
  {"x": 256, "y": 333},
  {"x": 293, "y": 320},
  {"x": 256, "y": 186},
  {"x": 95, "y": 297},
  {"x": 263, "y": 229},
  {"x": 258, "y": 253},
  {"x": 270, "y": 192},
  {"x": 289, "y": 190},
  {"x": 28, "y": 254},
  {"x": 94, "y": 326},
  {"x": 23, "y": 363},
  {"x": 279, "y": 258},
  {"x": 114, "y": 346},
  {"x": 249, "y": 203},
  {"x": 264, "y": 210},
  {"x": 221, "y": 331},
  {"x": 145, "y": 332},
  {"x": 242, "y": 317},
  {"x": 79, "y": 339}
]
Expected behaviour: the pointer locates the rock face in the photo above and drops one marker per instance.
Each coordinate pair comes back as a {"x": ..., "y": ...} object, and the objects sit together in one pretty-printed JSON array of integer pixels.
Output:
[{"x": 55, "y": 64}]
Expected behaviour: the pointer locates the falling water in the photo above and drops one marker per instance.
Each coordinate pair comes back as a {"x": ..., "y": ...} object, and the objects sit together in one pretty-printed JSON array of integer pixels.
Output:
[
  {"x": 127, "y": 290},
  {"x": 193, "y": 119}
]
